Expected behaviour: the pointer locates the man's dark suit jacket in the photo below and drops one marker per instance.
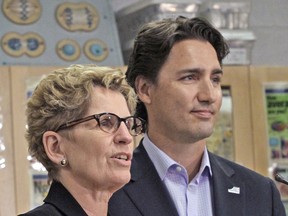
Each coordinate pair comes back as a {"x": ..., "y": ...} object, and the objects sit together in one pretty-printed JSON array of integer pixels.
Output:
[
  {"x": 59, "y": 202},
  {"x": 146, "y": 195}
]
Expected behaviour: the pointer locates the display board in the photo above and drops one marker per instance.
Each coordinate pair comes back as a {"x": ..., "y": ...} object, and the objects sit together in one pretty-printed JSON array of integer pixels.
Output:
[{"x": 37, "y": 32}]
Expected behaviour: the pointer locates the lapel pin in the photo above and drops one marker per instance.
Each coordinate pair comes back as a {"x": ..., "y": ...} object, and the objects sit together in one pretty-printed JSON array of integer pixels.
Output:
[{"x": 235, "y": 190}]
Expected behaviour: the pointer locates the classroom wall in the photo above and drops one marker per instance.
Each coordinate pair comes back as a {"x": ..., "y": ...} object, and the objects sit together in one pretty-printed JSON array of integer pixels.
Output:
[{"x": 268, "y": 21}]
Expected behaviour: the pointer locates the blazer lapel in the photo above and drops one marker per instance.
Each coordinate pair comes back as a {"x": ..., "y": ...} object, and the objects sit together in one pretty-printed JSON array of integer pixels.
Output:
[
  {"x": 63, "y": 201},
  {"x": 228, "y": 192},
  {"x": 145, "y": 189}
]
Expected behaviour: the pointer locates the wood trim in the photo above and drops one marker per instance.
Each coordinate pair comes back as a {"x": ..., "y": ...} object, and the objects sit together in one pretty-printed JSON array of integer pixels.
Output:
[{"x": 7, "y": 174}]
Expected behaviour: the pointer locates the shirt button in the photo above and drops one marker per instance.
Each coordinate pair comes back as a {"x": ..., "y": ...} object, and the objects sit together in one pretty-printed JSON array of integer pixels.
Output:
[{"x": 179, "y": 169}]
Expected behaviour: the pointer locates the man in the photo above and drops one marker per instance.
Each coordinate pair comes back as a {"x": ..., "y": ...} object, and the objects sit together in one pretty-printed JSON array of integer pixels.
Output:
[{"x": 176, "y": 70}]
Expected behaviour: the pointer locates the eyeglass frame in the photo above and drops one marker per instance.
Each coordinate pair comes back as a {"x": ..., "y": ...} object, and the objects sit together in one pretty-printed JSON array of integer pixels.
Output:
[{"x": 97, "y": 116}]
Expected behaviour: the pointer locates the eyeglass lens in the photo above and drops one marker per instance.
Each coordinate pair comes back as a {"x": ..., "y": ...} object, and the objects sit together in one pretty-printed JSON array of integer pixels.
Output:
[{"x": 110, "y": 123}]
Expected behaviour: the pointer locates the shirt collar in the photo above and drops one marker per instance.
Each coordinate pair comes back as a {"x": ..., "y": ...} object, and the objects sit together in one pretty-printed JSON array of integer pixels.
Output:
[
  {"x": 162, "y": 161},
  {"x": 205, "y": 168}
]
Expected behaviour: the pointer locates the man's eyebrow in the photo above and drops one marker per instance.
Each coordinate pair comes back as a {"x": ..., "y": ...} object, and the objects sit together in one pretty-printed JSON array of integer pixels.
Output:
[
  {"x": 200, "y": 70},
  {"x": 217, "y": 71},
  {"x": 193, "y": 70}
]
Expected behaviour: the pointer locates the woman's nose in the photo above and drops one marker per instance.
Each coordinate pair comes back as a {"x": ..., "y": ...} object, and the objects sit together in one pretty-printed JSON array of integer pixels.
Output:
[{"x": 123, "y": 135}]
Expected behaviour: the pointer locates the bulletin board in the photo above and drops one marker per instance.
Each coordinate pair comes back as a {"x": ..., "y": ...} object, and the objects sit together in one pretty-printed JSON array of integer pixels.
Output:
[{"x": 41, "y": 32}]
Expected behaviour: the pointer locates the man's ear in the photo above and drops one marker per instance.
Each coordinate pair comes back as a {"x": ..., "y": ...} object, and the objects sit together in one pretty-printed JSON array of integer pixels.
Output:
[
  {"x": 143, "y": 89},
  {"x": 51, "y": 141}
]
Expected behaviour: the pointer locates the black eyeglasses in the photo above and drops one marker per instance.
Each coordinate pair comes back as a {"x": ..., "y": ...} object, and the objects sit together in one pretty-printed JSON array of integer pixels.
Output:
[{"x": 110, "y": 122}]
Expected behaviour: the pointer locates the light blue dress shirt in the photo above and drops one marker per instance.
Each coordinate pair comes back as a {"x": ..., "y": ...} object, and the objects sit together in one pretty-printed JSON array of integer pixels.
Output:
[{"x": 190, "y": 198}]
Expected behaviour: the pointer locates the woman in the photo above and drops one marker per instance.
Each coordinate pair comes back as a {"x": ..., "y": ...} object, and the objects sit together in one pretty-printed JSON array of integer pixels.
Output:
[{"x": 80, "y": 128}]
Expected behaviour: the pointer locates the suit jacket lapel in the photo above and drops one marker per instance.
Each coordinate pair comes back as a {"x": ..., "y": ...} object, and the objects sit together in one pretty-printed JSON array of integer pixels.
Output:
[
  {"x": 228, "y": 192},
  {"x": 146, "y": 190},
  {"x": 61, "y": 199}
]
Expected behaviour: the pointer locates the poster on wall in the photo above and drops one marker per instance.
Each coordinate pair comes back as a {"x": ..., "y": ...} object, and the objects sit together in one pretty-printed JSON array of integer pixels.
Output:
[
  {"x": 40, "y": 187},
  {"x": 276, "y": 97},
  {"x": 38, "y": 32}
]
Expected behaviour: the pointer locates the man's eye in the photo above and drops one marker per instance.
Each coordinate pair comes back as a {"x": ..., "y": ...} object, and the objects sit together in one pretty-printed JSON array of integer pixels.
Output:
[
  {"x": 190, "y": 77},
  {"x": 216, "y": 80}
]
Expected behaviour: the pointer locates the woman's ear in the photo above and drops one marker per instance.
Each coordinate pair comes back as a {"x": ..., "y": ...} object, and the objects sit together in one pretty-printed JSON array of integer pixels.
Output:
[
  {"x": 143, "y": 88},
  {"x": 51, "y": 141}
]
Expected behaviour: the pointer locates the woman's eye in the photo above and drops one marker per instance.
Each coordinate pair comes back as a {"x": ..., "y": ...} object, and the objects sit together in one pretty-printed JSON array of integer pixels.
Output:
[{"x": 106, "y": 123}]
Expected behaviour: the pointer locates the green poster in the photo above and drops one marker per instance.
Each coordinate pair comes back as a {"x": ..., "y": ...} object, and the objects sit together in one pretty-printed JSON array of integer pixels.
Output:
[{"x": 277, "y": 120}]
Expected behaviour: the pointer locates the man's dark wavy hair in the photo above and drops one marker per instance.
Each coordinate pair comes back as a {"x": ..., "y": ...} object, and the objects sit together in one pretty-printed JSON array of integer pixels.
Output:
[{"x": 154, "y": 41}]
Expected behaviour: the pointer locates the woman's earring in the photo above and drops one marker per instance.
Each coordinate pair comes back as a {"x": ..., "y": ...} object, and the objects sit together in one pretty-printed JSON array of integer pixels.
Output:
[{"x": 63, "y": 162}]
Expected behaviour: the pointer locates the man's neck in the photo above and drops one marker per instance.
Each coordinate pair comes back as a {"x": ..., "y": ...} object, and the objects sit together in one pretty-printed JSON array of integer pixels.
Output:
[{"x": 188, "y": 155}]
